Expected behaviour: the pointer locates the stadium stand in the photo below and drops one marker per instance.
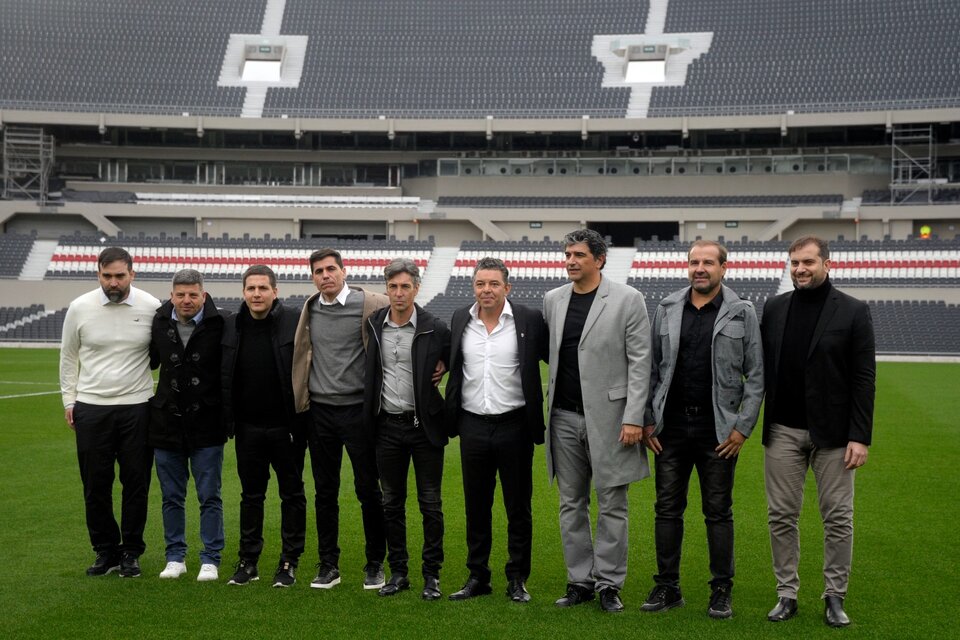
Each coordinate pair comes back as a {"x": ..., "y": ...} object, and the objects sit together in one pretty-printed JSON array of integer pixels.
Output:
[
  {"x": 432, "y": 58},
  {"x": 917, "y": 263},
  {"x": 159, "y": 259},
  {"x": 770, "y": 57},
  {"x": 925, "y": 196},
  {"x": 14, "y": 249},
  {"x": 163, "y": 57}
]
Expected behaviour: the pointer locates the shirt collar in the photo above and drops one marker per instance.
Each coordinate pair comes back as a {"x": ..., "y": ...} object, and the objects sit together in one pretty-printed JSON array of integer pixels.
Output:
[
  {"x": 104, "y": 300},
  {"x": 715, "y": 301},
  {"x": 507, "y": 310},
  {"x": 197, "y": 319},
  {"x": 412, "y": 321},
  {"x": 341, "y": 297}
]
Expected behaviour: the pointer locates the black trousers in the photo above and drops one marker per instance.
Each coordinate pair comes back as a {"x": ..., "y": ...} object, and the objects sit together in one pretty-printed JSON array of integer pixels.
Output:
[
  {"x": 332, "y": 429},
  {"x": 686, "y": 448},
  {"x": 489, "y": 448},
  {"x": 260, "y": 447},
  {"x": 398, "y": 443},
  {"x": 109, "y": 435}
]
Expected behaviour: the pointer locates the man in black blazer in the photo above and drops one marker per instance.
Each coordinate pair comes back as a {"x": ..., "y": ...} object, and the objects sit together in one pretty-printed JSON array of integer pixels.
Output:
[
  {"x": 495, "y": 404},
  {"x": 404, "y": 414},
  {"x": 820, "y": 373}
]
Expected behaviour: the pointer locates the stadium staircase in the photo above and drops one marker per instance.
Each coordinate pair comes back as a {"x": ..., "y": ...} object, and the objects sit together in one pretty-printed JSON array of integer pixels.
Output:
[
  {"x": 437, "y": 273},
  {"x": 619, "y": 263},
  {"x": 38, "y": 259}
]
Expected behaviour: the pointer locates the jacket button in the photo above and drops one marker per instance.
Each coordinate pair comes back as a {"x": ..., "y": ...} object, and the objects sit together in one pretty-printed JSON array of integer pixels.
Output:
[
  {"x": 195, "y": 356},
  {"x": 195, "y": 381}
]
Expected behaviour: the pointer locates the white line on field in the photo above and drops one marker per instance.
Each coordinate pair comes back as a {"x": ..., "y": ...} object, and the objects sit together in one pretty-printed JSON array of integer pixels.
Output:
[
  {"x": 29, "y": 395},
  {"x": 48, "y": 384}
]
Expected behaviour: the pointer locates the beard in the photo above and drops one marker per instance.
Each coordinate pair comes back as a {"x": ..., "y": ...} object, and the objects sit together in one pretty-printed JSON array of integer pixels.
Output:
[{"x": 116, "y": 295}]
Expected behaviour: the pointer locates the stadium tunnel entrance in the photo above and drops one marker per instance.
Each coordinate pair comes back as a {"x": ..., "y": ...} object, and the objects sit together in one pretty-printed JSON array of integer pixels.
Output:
[{"x": 627, "y": 234}]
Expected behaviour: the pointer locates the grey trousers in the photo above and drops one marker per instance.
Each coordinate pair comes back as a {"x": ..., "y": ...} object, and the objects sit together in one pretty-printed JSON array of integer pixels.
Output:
[
  {"x": 599, "y": 563},
  {"x": 787, "y": 456}
]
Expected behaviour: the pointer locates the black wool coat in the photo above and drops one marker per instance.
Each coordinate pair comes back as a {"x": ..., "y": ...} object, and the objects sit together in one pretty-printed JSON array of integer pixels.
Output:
[{"x": 185, "y": 412}]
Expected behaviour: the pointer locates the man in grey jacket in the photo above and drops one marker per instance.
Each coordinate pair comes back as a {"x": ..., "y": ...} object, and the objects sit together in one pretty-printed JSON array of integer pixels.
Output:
[{"x": 706, "y": 386}]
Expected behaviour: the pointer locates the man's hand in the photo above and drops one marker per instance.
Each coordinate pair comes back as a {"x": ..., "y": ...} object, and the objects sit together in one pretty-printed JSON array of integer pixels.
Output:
[
  {"x": 651, "y": 440},
  {"x": 68, "y": 416},
  {"x": 856, "y": 455},
  {"x": 730, "y": 447},
  {"x": 630, "y": 434},
  {"x": 438, "y": 373}
]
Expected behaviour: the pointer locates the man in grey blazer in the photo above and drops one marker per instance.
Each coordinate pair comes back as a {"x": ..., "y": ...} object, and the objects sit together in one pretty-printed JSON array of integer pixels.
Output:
[
  {"x": 599, "y": 381},
  {"x": 705, "y": 392}
]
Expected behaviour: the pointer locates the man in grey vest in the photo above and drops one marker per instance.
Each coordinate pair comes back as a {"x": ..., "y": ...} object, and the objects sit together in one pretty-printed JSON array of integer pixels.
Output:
[{"x": 329, "y": 370}]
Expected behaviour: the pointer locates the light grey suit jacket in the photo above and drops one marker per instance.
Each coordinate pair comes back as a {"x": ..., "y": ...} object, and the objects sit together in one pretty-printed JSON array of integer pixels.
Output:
[
  {"x": 614, "y": 362},
  {"x": 736, "y": 370}
]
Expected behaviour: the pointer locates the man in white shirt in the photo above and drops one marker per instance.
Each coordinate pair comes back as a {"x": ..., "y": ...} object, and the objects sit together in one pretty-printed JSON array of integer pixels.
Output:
[
  {"x": 495, "y": 404},
  {"x": 105, "y": 382}
]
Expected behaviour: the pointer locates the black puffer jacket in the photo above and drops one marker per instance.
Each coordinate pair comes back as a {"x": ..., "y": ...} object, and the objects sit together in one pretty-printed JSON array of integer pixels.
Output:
[{"x": 185, "y": 412}]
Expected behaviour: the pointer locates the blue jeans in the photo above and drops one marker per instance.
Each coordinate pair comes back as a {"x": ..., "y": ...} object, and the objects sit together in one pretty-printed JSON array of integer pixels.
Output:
[{"x": 173, "y": 472}]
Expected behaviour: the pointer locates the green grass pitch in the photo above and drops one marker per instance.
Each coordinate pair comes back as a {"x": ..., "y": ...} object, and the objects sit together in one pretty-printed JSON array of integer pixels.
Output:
[{"x": 905, "y": 582}]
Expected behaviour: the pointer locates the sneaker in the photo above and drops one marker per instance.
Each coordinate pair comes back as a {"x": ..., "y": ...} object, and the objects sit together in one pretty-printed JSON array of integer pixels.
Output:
[
  {"x": 285, "y": 575},
  {"x": 328, "y": 576},
  {"x": 208, "y": 573},
  {"x": 129, "y": 566},
  {"x": 373, "y": 575},
  {"x": 246, "y": 572},
  {"x": 662, "y": 598},
  {"x": 720, "y": 602},
  {"x": 106, "y": 562},
  {"x": 173, "y": 570}
]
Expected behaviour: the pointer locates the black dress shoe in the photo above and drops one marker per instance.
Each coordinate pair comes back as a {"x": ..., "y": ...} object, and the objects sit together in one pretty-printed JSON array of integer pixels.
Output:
[
  {"x": 575, "y": 595},
  {"x": 517, "y": 591},
  {"x": 431, "y": 588},
  {"x": 833, "y": 613},
  {"x": 394, "y": 585},
  {"x": 471, "y": 589},
  {"x": 106, "y": 562},
  {"x": 610, "y": 600},
  {"x": 786, "y": 608}
]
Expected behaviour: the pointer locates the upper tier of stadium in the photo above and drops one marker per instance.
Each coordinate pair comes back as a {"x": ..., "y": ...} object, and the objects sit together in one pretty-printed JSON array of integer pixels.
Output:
[{"x": 499, "y": 58}]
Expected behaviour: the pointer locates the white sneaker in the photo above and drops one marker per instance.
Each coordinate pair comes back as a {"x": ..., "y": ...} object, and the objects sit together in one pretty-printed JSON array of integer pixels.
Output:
[
  {"x": 208, "y": 573},
  {"x": 173, "y": 570}
]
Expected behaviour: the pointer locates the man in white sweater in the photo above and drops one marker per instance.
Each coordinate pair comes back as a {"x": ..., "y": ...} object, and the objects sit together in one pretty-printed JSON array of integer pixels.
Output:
[{"x": 105, "y": 382}]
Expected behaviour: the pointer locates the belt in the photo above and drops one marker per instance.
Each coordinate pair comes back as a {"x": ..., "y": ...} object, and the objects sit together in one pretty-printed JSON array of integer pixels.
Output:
[
  {"x": 572, "y": 407},
  {"x": 404, "y": 417},
  {"x": 690, "y": 411},
  {"x": 497, "y": 418}
]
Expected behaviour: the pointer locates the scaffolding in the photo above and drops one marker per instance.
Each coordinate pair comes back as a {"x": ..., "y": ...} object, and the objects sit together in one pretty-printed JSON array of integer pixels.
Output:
[
  {"x": 913, "y": 162},
  {"x": 27, "y": 162}
]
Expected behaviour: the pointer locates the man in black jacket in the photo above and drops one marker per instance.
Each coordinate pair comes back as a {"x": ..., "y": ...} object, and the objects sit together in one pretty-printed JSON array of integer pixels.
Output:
[
  {"x": 820, "y": 372},
  {"x": 186, "y": 429},
  {"x": 403, "y": 410},
  {"x": 495, "y": 403},
  {"x": 258, "y": 406}
]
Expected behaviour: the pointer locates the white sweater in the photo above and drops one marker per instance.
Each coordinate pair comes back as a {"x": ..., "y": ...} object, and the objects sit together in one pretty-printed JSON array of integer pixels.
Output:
[{"x": 105, "y": 352}]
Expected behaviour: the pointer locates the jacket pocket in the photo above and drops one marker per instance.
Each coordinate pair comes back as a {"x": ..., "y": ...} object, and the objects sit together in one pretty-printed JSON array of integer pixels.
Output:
[
  {"x": 733, "y": 329},
  {"x": 617, "y": 393}
]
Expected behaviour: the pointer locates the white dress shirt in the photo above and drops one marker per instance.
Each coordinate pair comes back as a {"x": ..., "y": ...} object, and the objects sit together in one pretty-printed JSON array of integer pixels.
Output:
[{"x": 491, "y": 365}]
